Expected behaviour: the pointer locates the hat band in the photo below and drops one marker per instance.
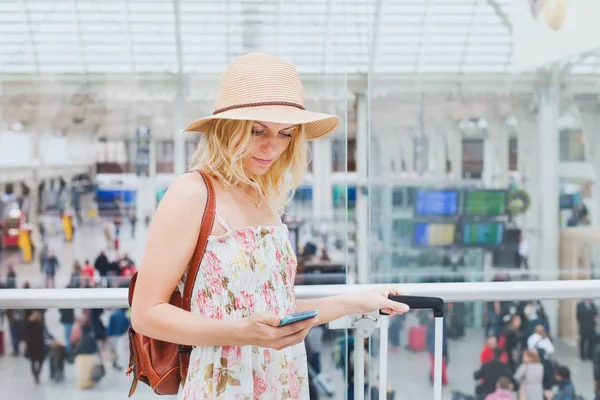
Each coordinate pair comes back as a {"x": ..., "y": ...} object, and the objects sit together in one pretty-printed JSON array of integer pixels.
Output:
[{"x": 259, "y": 104}]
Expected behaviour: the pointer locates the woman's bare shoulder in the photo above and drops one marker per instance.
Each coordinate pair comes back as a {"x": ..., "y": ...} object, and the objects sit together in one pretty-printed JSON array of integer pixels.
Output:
[{"x": 187, "y": 190}]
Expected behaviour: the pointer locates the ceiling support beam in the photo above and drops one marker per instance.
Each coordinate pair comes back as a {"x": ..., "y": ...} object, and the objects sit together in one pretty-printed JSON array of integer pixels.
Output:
[
  {"x": 375, "y": 38},
  {"x": 128, "y": 37},
  {"x": 327, "y": 34},
  {"x": 501, "y": 14},
  {"x": 30, "y": 41},
  {"x": 472, "y": 22},
  {"x": 422, "y": 36}
]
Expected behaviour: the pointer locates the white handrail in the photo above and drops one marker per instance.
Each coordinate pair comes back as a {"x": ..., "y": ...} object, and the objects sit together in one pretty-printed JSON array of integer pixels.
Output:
[{"x": 450, "y": 292}]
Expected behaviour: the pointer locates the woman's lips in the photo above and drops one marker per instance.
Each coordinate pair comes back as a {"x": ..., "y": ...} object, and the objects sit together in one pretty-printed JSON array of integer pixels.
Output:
[{"x": 263, "y": 161}]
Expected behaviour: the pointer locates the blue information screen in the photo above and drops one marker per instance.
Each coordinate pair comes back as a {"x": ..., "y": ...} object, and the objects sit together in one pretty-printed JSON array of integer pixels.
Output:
[
  {"x": 483, "y": 234},
  {"x": 436, "y": 203},
  {"x": 433, "y": 235}
]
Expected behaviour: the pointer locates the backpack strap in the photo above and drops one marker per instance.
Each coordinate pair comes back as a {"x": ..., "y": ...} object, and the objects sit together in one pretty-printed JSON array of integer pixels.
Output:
[{"x": 208, "y": 219}]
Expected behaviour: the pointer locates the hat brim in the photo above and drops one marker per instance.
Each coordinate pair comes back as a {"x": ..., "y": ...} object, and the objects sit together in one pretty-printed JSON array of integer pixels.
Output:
[{"x": 317, "y": 125}]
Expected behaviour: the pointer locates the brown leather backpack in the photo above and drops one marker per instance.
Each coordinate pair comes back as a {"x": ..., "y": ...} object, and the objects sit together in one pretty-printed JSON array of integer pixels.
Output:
[{"x": 161, "y": 365}]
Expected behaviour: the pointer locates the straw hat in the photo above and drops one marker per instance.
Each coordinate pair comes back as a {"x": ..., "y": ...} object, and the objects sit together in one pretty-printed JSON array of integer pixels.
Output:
[{"x": 260, "y": 87}]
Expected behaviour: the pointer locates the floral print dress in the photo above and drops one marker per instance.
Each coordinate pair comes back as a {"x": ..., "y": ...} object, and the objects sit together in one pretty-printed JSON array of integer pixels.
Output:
[{"x": 246, "y": 270}]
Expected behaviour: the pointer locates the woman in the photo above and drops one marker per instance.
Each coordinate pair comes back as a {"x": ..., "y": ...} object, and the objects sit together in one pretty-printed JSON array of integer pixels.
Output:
[
  {"x": 254, "y": 150},
  {"x": 85, "y": 350},
  {"x": 513, "y": 341},
  {"x": 529, "y": 376},
  {"x": 34, "y": 335}
]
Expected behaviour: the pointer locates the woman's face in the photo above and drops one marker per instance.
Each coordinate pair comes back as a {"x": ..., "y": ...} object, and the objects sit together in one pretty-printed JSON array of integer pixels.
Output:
[{"x": 270, "y": 141}]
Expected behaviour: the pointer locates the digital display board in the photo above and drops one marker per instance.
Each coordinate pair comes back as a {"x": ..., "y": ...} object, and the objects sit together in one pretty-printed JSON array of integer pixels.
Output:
[
  {"x": 485, "y": 203},
  {"x": 482, "y": 234},
  {"x": 436, "y": 203},
  {"x": 427, "y": 234}
]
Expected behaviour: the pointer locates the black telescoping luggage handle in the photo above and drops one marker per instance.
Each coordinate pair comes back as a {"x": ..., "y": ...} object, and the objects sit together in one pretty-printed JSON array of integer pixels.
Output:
[{"x": 420, "y": 302}]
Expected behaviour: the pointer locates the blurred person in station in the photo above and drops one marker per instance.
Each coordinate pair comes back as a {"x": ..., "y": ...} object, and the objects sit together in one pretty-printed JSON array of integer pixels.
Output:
[
  {"x": 76, "y": 280},
  {"x": 67, "y": 320},
  {"x": 541, "y": 343},
  {"x": 504, "y": 390},
  {"x": 17, "y": 319},
  {"x": 88, "y": 273},
  {"x": 532, "y": 314},
  {"x": 102, "y": 265},
  {"x": 147, "y": 218},
  {"x": 512, "y": 341},
  {"x": 49, "y": 266},
  {"x": 540, "y": 339},
  {"x": 108, "y": 234},
  {"x": 489, "y": 373},
  {"x": 489, "y": 349},
  {"x": 587, "y": 315},
  {"x": 34, "y": 334},
  {"x": 85, "y": 350},
  {"x": 523, "y": 252},
  {"x": 116, "y": 332},
  {"x": 11, "y": 277},
  {"x": 530, "y": 376},
  {"x": 565, "y": 390},
  {"x": 133, "y": 223}
]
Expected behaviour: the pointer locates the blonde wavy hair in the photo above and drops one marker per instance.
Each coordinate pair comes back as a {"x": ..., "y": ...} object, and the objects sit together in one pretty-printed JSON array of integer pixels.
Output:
[{"x": 221, "y": 150}]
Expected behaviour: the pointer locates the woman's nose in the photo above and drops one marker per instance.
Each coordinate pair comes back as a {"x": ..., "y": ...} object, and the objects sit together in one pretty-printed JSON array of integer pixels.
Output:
[{"x": 268, "y": 145}]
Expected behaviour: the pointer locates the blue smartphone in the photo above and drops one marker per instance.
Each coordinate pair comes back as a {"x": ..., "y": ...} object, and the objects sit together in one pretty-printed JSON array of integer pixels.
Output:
[{"x": 297, "y": 317}]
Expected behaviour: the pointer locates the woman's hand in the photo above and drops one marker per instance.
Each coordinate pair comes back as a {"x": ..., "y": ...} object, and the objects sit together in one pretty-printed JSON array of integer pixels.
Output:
[
  {"x": 377, "y": 299},
  {"x": 263, "y": 330}
]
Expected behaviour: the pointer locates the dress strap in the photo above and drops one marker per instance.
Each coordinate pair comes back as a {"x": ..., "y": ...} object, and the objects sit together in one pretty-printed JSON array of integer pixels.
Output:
[{"x": 221, "y": 221}]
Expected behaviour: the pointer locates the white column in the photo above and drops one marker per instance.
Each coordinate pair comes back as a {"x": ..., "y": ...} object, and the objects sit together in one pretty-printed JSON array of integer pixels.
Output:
[
  {"x": 408, "y": 150},
  {"x": 146, "y": 189},
  {"x": 395, "y": 156},
  {"x": 591, "y": 126},
  {"x": 326, "y": 182},
  {"x": 589, "y": 112},
  {"x": 529, "y": 169},
  {"x": 454, "y": 143},
  {"x": 17, "y": 190},
  {"x": 33, "y": 202},
  {"x": 387, "y": 230},
  {"x": 322, "y": 197},
  {"x": 495, "y": 155},
  {"x": 500, "y": 139},
  {"x": 362, "y": 200},
  {"x": 152, "y": 173},
  {"x": 549, "y": 108},
  {"x": 488, "y": 161}
]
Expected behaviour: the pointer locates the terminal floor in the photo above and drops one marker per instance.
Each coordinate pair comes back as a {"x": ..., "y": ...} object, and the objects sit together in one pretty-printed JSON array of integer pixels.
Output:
[{"x": 407, "y": 372}]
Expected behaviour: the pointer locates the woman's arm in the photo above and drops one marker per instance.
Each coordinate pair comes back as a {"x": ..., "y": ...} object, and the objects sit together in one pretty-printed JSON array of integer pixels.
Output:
[
  {"x": 330, "y": 308},
  {"x": 171, "y": 242},
  {"x": 334, "y": 307}
]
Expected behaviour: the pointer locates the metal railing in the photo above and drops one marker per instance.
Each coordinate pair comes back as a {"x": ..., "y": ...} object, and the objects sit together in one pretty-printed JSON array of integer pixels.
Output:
[{"x": 450, "y": 292}]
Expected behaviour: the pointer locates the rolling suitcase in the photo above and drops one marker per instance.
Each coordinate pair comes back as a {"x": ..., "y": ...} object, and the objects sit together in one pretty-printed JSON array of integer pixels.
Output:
[
  {"x": 419, "y": 303},
  {"x": 416, "y": 338}
]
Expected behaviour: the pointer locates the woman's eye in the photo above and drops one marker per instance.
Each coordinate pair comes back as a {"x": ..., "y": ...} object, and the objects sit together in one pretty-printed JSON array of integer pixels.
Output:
[
  {"x": 287, "y": 135},
  {"x": 257, "y": 132}
]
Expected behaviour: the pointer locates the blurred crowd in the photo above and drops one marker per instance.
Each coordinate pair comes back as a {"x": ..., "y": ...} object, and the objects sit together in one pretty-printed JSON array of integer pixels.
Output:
[{"x": 87, "y": 341}]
